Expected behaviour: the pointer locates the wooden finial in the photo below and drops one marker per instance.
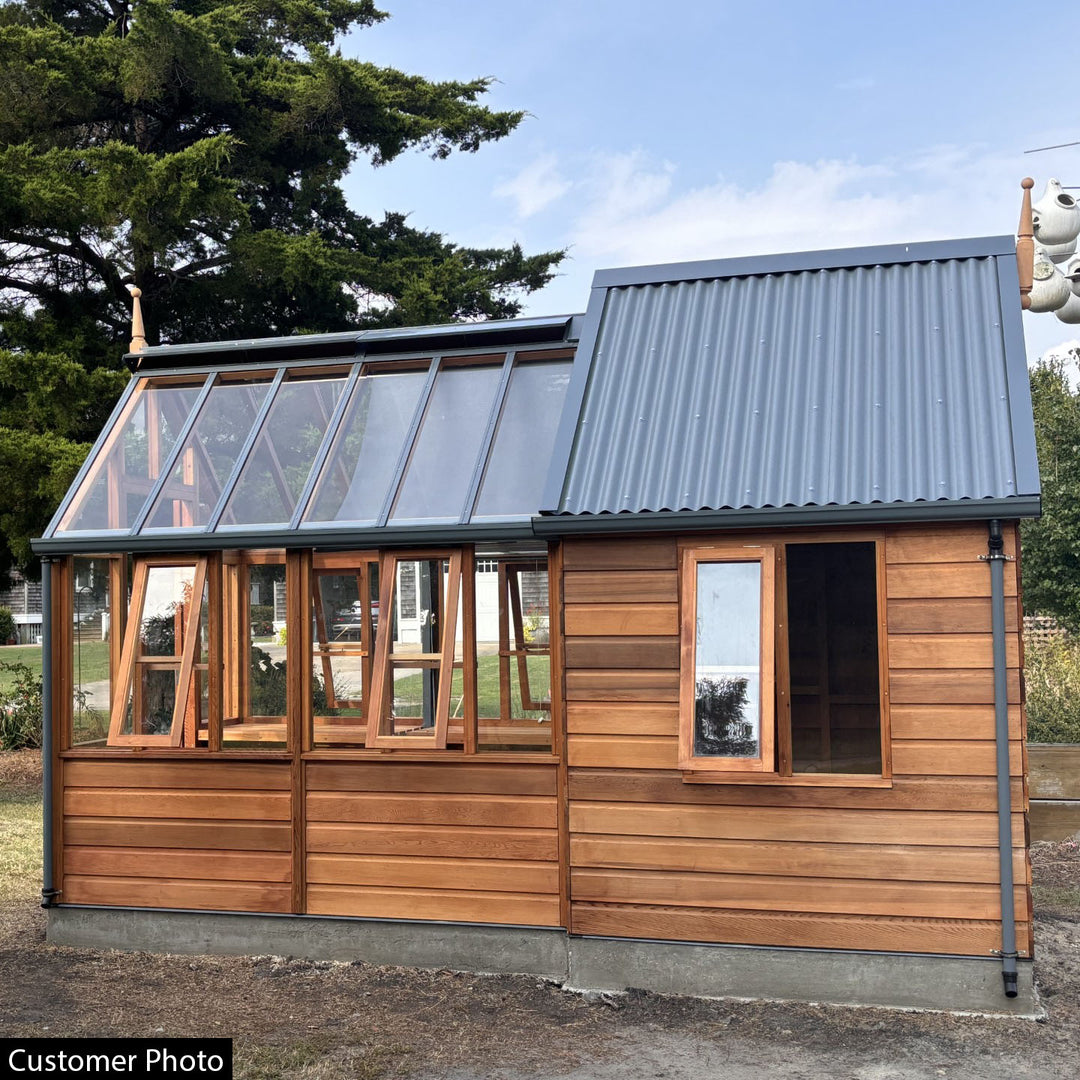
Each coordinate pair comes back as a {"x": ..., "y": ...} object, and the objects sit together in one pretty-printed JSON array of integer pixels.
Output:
[
  {"x": 1025, "y": 245},
  {"x": 138, "y": 334}
]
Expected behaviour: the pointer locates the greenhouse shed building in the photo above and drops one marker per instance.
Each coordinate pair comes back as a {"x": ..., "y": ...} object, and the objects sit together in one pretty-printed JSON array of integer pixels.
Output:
[{"x": 675, "y": 645}]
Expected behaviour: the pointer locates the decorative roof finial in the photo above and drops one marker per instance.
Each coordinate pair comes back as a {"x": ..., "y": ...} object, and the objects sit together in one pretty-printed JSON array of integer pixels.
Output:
[
  {"x": 1025, "y": 245},
  {"x": 138, "y": 334}
]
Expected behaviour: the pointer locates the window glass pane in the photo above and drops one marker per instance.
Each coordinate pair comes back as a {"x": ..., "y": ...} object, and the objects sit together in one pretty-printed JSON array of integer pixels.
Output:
[
  {"x": 165, "y": 610},
  {"x": 208, "y": 456},
  {"x": 444, "y": 455},
  {"x": 833, "y": 658},
  {"x": 166, "y": 620},
  {"x": 513, "y": 657},
  {"x": 277, "y": 468},
  {"x": 91, "y": 610},
  {"x": 255, "y": 680},
  {"x": 518, "y": 464},
  {"x": 353, "y": 483},
  {"x": 113, "y": 492},
  {"x": 346, "y": 618},
  {"x": 727, "y": 674},
  {"x": 150, "y": 712}
]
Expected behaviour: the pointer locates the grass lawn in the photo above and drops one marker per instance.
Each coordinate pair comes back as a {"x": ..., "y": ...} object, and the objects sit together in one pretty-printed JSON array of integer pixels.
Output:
[
  {"x": 407, "y": 691},
  {"x": 20, "y": 825},
  {"x": 91, "y": 661}
]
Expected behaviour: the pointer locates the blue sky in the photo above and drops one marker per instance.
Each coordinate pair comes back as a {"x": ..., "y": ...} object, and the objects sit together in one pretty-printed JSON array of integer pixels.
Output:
[{"x": 686, "y": 129}]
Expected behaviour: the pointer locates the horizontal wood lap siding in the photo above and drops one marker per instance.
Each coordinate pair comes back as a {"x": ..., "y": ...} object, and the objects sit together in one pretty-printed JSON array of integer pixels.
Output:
[
  {"x": 459, "y": 842},
  {"x": 209, "y": 835},
  {"x": 910, "y": 867}
]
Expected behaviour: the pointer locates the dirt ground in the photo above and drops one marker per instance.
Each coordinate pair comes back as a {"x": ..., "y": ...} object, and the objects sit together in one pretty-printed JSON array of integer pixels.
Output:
[{"x": 321, "y": 1021}]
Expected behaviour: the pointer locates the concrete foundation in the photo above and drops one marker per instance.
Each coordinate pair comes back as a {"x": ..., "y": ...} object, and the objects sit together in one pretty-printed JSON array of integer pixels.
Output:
[{"x": 896, "y": 980}]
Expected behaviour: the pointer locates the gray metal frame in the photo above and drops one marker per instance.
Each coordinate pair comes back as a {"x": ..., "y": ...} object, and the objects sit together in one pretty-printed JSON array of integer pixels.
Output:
[
  {"x": 173, "y": 456},
  {"x": 91, "y": 458},
  {"x": 565, "y": 436},
  {"x": 796, "y": 261},
  {"x": 1022, "y": 420}
]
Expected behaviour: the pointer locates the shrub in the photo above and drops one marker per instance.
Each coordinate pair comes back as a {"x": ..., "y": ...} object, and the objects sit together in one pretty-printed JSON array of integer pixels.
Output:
[
  {"x": 20, "y": 709},
  {"x": 7, "y": 625},
  {"x": 1052, "y": 682},
  {"x": 721, "y": 728},
  {"x": 262, "y": 620}
]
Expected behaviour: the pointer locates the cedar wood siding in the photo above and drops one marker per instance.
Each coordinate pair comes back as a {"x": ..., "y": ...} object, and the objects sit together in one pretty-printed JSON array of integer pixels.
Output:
[{"x": 913, "y": 867}]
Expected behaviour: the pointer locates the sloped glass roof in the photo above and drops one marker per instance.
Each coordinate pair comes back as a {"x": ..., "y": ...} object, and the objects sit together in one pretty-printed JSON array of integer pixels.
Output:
[{"x": 309, "y": 447}]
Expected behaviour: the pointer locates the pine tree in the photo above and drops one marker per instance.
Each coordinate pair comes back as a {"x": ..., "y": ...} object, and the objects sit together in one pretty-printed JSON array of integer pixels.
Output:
[{"x": 196, "y": 150}]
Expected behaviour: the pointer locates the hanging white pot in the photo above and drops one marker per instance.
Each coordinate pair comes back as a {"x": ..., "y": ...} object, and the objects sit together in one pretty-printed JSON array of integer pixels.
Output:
[
  {"x": 1057, "y": 253},
  {"x": 1071, "y": 270},
  {"x": 1049, "y": 289},
  {"x": 1056, "y": 216},
  {"x": 1069, "y": 312}
]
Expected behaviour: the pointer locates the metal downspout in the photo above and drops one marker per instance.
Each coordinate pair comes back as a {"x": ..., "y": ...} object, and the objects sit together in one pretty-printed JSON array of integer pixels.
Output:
[
  {"x": 997, "y": 559},
  {"x": 49, "y": 893}
]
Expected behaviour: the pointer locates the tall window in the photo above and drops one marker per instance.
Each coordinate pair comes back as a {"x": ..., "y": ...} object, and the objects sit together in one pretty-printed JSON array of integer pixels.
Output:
[{"x": 781, "y": 660}]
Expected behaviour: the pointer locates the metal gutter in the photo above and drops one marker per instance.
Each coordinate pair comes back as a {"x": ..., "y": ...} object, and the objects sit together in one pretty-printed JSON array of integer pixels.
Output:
[
  {"x": 338, "y": 537},
  {"x": 351, "y": 343},
  {"x": 49, "y": 892},
  {"x": 997, "y": 558},
  {"x": 787, "y": 516}
]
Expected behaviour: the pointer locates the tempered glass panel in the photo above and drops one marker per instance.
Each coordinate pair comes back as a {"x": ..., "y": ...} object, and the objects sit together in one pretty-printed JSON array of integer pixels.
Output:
[
  {"x": 165, "y": 611},
  {"x": 91, "y": 609},
  {"x": 277, "y": 467},
  {"x": 833, "y": 658},
  {"x": 115, "y": 488},
  {"x": 337, "y": 687},
  {"x": 208, "y": 456},
  {"x": 266, "y": 681},
  {"x": 151, "y": 711},
  {"x": 727, "y": 673},
  {"x": 361, "y": 463},
  {"x": 444, "y": 454},
  {"x": 519, "y": 459}
]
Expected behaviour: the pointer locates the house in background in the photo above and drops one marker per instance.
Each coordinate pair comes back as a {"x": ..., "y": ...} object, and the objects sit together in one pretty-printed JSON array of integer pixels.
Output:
[{"x": 676, "y": 645}]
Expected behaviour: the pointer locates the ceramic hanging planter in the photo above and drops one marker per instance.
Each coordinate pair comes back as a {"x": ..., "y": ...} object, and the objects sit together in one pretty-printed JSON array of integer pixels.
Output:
[
  {"x": 1049, "y": 289},
  {"x": 1056, "y": 216}
]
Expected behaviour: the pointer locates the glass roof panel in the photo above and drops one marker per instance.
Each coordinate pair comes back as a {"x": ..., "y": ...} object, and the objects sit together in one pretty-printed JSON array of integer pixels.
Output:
[
  {"x": 354, "y": 481},
  {"x": 444, "y": 455},
  {"x": 277, "y": 468},
  {"x": 208, "y": 456},
  {"x": 518, "y": 463},
  {"x": 114, "y": 490}
]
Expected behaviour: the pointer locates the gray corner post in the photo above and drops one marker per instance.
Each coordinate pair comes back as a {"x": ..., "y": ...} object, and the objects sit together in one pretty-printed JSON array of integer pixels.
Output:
[
  {"x": 49, "y": 892},
  {"x": 997, "y": 558}
]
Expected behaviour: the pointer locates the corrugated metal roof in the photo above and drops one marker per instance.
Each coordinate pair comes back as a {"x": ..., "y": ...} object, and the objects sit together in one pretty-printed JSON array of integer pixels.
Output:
[{"x": 892, "y": 376}]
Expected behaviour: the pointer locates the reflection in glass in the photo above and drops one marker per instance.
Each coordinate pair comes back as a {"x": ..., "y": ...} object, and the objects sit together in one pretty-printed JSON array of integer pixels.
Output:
[
  {"x": 444, "y": 455},
  {"x": 208, "y": 456},
  {"x": 727, "y": 674},
  {"x": 115, "y": 488},
  {"x": 517, "y": 467},
  {"x": 354, "y": 480},
  {"x": 277, "y": 467},
  {"x": 93, "y": 630}
]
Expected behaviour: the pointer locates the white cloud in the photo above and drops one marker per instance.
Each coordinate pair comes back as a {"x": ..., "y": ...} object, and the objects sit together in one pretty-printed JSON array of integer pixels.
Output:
[
  {"x": 634, "y": 211},
  {"x": 536, "y": 187}
]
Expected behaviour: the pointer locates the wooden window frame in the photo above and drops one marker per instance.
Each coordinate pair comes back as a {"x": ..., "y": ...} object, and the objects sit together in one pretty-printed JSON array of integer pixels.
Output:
[
  {"x": 774, "y": 618},
  {"x": 131, "y": 662},
  {"x": 324, "y": 648},
  {"x": 691, "y": 558},
  {"x": 441, "y": 661}
]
